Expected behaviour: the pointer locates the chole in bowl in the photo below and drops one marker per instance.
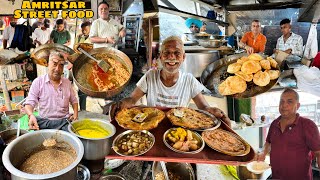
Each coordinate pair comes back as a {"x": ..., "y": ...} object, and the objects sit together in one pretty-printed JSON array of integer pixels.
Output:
[{"x": 133, "y": 143}]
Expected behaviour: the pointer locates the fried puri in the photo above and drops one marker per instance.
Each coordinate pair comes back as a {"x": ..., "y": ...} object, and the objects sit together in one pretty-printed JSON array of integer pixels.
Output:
[
  {"x": 261, "y": 78},
  {"x": 274, "y": 74},
  {"x": 265, "y": 64},
  {"x": 242, "y": 60},
  {"x": 255, "y": 57},
  {"x": 273, "y": 62},
  {"x": 232, "y": 85},
  {"x": 250, "y": 67},
  {"x": 244, "y": 76},
  {"x": 234, "y": 67}
]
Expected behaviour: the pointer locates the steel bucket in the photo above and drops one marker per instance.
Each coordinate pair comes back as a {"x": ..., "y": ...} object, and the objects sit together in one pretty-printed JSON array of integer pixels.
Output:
[{"x": 95, "y": 148}]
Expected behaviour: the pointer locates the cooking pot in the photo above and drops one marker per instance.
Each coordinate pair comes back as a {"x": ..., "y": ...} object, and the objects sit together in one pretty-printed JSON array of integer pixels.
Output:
[
  {"x": 183, "y": 170},
  {"x": 17, "y": 151},
  {"x": 196, "y": 61},
  {"x": 81, "y": 71},
  {"x": 40, "y": 55},
  {"x": 95, "y": 148}
]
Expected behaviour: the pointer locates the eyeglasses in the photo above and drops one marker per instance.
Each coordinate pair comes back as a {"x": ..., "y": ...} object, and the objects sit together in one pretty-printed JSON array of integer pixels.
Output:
[{"x": 193, "y": 26}]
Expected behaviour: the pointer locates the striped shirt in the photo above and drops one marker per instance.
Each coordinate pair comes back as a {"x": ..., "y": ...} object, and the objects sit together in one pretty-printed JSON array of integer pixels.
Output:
[
  {"x": 53, "y": 103},
  {"x": 294, "y": 42}
]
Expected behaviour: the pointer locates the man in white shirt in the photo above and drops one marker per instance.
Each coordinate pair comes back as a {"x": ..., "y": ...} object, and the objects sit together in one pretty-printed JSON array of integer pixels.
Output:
[
  {"x": 289, "y": 42},
  {"x": 104, "y": 31},
  {"x": 8, "y": 33},
  {"x": 170, "y": 87},
  {"x": 41, "y": 35}
]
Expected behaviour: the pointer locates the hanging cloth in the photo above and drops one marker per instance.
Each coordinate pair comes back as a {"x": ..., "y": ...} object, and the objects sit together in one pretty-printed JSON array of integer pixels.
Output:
[{"x": 311, "y": 48}]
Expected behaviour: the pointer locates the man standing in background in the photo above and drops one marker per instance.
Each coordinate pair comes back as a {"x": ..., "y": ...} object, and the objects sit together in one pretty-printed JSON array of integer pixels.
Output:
[
  {"x": 254, "y": 41},
  {"x": 105, "y": 31},
  {"x": 8, "y": 33},
  {"x": 60, "y": 35},
  {"x": 289, "y": 42}
]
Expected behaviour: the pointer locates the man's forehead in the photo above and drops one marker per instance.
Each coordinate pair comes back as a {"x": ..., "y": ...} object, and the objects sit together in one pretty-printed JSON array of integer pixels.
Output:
[
  {"x": 288, "y": 96},
  {"x": 58, "y": 60},
  {"x": 173, "y": 44}
]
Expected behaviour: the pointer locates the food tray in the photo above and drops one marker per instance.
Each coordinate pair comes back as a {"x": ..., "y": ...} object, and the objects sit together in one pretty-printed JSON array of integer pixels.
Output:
[{"x": 160, "y": 152}]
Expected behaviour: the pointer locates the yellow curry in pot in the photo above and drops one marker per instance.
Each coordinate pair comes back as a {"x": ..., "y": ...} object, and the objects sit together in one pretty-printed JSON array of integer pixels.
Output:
[{"x": 91, "y": 129}]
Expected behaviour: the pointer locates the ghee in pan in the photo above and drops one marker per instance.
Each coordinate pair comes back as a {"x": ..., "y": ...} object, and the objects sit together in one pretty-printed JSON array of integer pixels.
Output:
[{"x": 91, "y": 129}]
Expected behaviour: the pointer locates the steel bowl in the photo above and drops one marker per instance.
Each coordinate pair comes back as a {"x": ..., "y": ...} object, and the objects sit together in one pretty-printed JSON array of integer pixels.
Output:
[
  {"x": 184, "y": 170},
  {"x": 83, "y": 172},
  {"x": 17, "y": 151},
  {"x": 112, "y": 176},
  {"x": 194, "y": 134},
  {"x": 129, "y": 132},
  {"x": 95, "y": 148},
  {"x": 202, "y": 36}
]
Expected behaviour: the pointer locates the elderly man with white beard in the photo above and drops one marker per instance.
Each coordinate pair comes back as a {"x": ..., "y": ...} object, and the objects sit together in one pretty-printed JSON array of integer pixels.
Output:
[{"x": 169, "y": 87}]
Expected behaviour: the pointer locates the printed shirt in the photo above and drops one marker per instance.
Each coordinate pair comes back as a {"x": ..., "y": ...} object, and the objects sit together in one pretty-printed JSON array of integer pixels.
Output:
[
  {"x": 53, "y": 103},
  {"x": 180, "y": 94},
  {"x": 257, "y": 44},
  {"x": 290, "y": 154},
  {"x": 8, "y": 34},
  {"x": 294, "y": 42},
  {"x": 102, "y": 28},
  {"x": 41, "y": 35},
  {"x": 60, "y": 37}
]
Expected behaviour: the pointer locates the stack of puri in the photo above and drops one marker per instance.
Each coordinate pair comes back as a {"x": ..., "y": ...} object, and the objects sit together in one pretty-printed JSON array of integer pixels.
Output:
[{"x": 246, "y": 69}]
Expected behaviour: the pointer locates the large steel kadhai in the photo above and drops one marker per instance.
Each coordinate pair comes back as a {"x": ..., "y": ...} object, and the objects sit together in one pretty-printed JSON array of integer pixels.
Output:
[
  {"x": 216, "y": 73},
  {"x": 40, "y": 55},
  {"x": 82, "y": 68}
]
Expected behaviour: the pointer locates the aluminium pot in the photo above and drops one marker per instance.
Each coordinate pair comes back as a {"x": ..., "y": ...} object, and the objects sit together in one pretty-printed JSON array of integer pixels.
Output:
[
  {"x": 196, "y": 61},
  {"x": 95, "y": 148},
  {"x": 17, "y": 151},
  {"x": 82, "y": 68}
]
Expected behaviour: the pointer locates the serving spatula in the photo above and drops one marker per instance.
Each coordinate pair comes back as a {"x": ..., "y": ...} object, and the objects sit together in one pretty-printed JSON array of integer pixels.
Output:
[{"x": 101, "y": 63}]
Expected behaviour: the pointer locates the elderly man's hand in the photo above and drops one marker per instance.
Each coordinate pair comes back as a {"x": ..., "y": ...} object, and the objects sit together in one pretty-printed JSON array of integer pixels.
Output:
[
  {"x": 219, "y": 114},
  {"x": 126, "y": 103},
  {"x": 33, "y": 124}
]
